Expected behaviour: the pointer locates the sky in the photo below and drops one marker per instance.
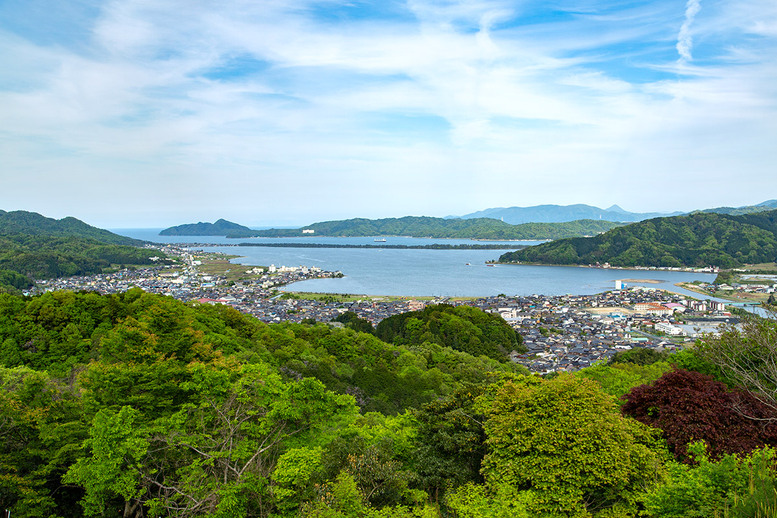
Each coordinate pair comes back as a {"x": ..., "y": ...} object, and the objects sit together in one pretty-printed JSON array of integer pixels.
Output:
[{"x": 148, "y": 113}]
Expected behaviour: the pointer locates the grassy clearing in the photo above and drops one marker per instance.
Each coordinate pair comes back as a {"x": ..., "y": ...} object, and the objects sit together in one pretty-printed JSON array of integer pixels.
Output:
[
  {"x": 219, "y": 265},
  {"x": 732, "y": 295},
  {"x": 758, "y": 268}
]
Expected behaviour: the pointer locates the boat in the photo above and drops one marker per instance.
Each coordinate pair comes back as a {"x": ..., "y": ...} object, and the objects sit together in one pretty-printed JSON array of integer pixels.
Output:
[{"x": 380, "y": 240}]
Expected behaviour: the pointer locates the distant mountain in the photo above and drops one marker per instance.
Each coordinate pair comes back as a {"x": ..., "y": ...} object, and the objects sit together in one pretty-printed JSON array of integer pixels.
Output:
[
  {"x": 700, "y": 239},
  {"x": 424, "y": 226},
  {"x": 34, "y": 224},
  {"x": 221, "y": 227},
  {"x": 748, "y": 209},
  {"x": 36, "y": 247},
  {"x": 562, "y": 213}
]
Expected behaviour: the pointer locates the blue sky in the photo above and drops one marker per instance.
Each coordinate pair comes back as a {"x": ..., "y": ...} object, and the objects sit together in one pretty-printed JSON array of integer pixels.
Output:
[{"x": 139, "y": 113}]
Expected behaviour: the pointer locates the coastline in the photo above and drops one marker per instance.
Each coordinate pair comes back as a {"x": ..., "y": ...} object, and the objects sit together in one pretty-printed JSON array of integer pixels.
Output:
[{"x": 631, "y": 268}]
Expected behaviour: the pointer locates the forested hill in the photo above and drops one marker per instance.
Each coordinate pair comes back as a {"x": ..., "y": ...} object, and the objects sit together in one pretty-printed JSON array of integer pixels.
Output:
[
  {"x": 34, "y": 224},
  {"x": 700, "y": 239},
  {"x": 139, "y": 405},
  {"x": 462, "y": 328},
  {"x": 221, "y": 227},
  {"x": 424, "y": 226},
  {"x": 36, "y": 247}
]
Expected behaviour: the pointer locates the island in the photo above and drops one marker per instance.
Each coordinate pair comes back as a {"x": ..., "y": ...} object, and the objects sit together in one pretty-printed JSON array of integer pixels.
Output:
[{"x": 221, "y": 227}]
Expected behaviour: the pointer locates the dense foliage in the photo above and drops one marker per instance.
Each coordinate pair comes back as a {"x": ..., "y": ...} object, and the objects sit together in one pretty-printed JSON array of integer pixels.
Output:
[
  {"x": 353, "y": 321},
  {"x": 694, "y": 240},
  {"x": 562, "y": 447},
  {"x": 424, "y": 226},
  {"x": 747, "y": 356},
  {"x": 139, "y": 405},
  {"x": 736, "y": 486},
  {"x": 221, "y": 227},
  {"x": 43, "y": 257},
  {"x": 689, "y": 406},
  {"x": 463, "y": 328}
]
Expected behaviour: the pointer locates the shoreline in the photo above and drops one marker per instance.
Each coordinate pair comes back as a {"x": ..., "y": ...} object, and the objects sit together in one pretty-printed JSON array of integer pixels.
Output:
[{"x": 629, "y": 268}]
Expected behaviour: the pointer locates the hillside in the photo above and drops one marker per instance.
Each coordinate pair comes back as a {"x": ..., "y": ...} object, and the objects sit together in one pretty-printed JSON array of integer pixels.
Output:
[
  {"x": 461, "y": 328},
  {"x": 33, "y": 224},
  {"x": 36, "y": 247},
  {"x": 221, "y": 227},
  {"x": 561, "y": 213},
  {"x": 423, "y": 226},
  {"x": 138, "y": 405},
  {"x": 700, "y": 239}
]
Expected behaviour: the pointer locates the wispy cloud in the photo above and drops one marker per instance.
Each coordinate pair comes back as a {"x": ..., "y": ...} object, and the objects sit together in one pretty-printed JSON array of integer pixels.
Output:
[
  {"x": 488, "y": 102},
  {"x": 684, "y": 37}
]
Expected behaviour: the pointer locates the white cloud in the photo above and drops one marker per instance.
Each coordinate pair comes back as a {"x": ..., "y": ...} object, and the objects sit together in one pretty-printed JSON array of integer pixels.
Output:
[
  {"x": 684, "y": 37},
  {"x": 465, "y": 97}
]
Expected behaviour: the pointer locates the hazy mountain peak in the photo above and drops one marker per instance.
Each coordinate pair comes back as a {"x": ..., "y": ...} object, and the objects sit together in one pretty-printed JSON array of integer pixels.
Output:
[{"x": 562, "y": 213}]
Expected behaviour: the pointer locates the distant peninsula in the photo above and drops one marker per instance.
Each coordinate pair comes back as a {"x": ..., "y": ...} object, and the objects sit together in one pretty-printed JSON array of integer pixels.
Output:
[
  {"x": 221, "y": 227},
  {"x": 696, "y": 240},
  {"x": 410, "y": 226}
]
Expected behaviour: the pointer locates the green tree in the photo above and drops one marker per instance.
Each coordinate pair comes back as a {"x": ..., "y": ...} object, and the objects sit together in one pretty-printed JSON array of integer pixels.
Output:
[
  {"x": 41, "y": 428},
  {"x": 747, "y": 356},
  {"x": 451, "y": 441},
  {"x": 477, "y": 501},
  {"x": 353, "y": 321},
  {"x": 564, "y": 444},
  {"x": 113, "y": 470},
  {"x": 733, "y": 486},
  {"x": 462, "y": 328},
  {"x": 617, "y": 379}
]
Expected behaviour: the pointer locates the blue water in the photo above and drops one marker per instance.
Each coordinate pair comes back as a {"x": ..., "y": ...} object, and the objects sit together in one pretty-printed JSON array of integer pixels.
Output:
[
  {"x": 152, "y": 234},
  {"x": 427, "y": 272}
]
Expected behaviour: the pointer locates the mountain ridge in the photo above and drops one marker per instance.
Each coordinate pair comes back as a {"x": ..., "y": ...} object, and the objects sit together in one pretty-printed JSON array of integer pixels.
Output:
[
  {"x": 694, "y": 240},
  {"x": 32, "y": 223},
  {"x": 33, "y": 246}
]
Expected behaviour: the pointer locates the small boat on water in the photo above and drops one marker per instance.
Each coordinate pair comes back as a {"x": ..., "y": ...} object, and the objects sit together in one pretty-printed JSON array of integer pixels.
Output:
[{"x": 380, "y": 239}]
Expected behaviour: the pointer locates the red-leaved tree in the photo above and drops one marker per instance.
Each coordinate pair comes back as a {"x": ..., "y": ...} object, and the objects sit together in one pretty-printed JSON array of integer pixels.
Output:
[{"x": 689, "y": 406}]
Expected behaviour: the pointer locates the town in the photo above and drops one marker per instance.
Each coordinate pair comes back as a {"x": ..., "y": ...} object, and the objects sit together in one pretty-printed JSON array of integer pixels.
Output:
[{"x": 561, "y": 333}]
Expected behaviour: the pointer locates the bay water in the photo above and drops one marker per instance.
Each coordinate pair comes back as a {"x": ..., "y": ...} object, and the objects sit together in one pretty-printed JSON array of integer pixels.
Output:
[{"x": 450, "y": 273}]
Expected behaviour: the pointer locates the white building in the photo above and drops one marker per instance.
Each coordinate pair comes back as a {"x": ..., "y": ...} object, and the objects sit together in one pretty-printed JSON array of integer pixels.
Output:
[{"x": 666, "y": 327}]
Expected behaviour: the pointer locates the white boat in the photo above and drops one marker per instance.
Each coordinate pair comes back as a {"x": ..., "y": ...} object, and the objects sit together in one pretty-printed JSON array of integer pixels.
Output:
[{"x": 380, "y": 240}]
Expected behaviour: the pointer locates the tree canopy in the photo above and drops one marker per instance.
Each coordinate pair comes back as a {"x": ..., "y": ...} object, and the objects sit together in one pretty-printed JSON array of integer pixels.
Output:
[
  {"x": 463, "y": 328},
  {"x": 699, "y": 239},
  {"x": 140, "y": 405}
]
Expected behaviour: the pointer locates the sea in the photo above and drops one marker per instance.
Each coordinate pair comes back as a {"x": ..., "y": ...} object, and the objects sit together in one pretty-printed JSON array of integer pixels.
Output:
[{"x": 419, "y": 272}]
